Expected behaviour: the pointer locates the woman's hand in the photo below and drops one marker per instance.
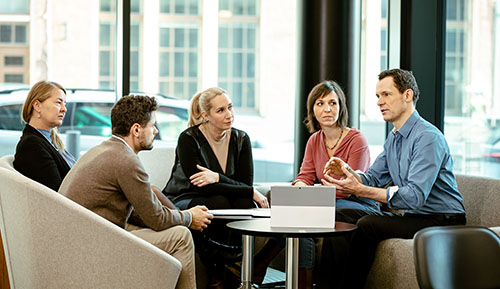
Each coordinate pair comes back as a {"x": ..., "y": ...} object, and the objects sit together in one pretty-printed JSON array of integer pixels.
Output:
[
  {"x": 260, "y": 199},
  {"x": 204, "y": 177}
]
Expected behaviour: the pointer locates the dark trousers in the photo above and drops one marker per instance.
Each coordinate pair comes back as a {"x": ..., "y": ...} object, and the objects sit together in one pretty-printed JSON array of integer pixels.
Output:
[{"x": 346, "y": 260}]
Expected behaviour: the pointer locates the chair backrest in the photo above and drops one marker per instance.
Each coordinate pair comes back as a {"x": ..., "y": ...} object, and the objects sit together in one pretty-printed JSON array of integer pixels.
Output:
[
  {"x": 481, "y": 199},
  {"x": 158, "y": 163},
  {"x": 457, "y": 257},
  {"x": 52, "y": 242},
  {"x": 7, "y": 162}
]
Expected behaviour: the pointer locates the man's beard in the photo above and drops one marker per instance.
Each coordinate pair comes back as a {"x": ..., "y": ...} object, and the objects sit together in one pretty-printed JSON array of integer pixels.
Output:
[{"x": 145, "y": 146}]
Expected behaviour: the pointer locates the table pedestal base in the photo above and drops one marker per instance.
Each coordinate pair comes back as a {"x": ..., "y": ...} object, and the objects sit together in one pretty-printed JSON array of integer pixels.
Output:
[{"x": 247, "y": 262}]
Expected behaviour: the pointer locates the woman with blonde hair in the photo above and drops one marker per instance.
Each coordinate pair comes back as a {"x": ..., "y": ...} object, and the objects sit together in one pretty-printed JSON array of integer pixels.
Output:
[
  {"x": 213, "y": 167},
  {"x": 40, "y": 153}
]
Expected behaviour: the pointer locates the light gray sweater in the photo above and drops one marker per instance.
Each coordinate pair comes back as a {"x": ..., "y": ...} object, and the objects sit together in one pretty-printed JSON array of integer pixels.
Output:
[{"x": 110, "y": 181}]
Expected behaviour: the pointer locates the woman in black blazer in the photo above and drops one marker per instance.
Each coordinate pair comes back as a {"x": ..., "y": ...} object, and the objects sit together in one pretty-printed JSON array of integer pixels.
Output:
[{"x": 40, "y": 153}]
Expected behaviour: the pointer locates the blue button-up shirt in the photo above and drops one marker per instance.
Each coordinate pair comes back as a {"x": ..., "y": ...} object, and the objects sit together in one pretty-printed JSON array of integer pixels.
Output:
[{"x": 417, "y": 159}]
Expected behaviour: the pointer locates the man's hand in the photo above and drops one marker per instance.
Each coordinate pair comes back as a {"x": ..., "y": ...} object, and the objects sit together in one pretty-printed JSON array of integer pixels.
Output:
[
  {"x": 350, "y": 184},
  {"x": 334, "y": 166},
  {"x": 204, "y": 177},
  {"x": 260, "y": 199},
  {"x": 200, "y": 218}
]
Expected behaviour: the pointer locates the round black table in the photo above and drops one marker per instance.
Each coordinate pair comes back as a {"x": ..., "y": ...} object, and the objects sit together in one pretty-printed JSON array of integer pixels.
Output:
[{"x": 262, "y": 227}]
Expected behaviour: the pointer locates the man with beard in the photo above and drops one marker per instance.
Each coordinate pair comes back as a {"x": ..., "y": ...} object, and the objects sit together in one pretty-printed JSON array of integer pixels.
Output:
[{"x": 111, "y": 181}]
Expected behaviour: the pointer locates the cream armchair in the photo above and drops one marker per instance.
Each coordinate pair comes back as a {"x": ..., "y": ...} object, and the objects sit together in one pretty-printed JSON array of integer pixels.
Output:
[{"x": 52, "y": 242}]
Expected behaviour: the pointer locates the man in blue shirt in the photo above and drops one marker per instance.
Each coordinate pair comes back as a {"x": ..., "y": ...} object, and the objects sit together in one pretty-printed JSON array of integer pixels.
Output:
[{"x": 413, "y": 174}]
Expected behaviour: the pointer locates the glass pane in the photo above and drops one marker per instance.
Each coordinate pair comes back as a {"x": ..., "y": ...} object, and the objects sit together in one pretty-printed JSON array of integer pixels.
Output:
[
  {"x": 21, "y": 34},
  {"x": 14, "y": 78},
  {"x": 180, "y": 7},
  {"x": 164, "y": 64},
  {"x": 193, "y": 7},
  {"x": 224, "y": 4},
  {"x": 223, "y": 65},
  {"x": 250, "y": 65},
  {"x": 5, "y": 33},
  {"x": 193, "y": 88},
  {"x": 106, "y": 5},
  {"x": 238, "y": 8},
  {"x": 134, "y": 86},
  {"x": 14, "y": 60},
  {"x": 223, "y": 37},
  {"x": 105, "y": 63},
  {"x": 105, "y": 34},
  {"x": 164, "y": 87},
  {"x": 179, "y": 37},
  {"x": 193, "y": 37},
  {"x": 237, "y": 37},
  {"x": 251, "y": 39},
  {"x": 15, "y": 6},
  {"x": 179, "y": 64},
  {"x": 134, "y": 63},
  {"x": 237, "y": 94},
  {"x": 252, "y": 7},
  {"x": 250, "y": 93},
  {"x": 135, "y": 6},
  {"x": 237, "y": 64},
  {"x": 10, "y": 117},
  {"x": 193, "y": 64},
  {"x": 134, "y": 35},
  {"x": 164, "y": 37},
  {"x": 165, "y": 6},
  {"x": 472, "y": 86},
  {"x": 179, "y": 90},
  {"x": 374, "y": 30}
]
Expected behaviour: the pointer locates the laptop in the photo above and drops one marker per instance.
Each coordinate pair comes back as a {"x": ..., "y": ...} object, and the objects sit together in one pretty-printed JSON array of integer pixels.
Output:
[{"x": 303, "y": 207}]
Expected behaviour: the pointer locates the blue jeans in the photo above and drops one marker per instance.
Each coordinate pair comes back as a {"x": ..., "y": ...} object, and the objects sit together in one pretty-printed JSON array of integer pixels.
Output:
[{"x": 358, "y": 203}]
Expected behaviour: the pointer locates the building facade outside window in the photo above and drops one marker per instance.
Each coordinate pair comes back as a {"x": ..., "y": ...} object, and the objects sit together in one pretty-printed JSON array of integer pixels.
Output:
[
  {"x": 472, "y": 90},
  {"x": 14, "y": 42}
]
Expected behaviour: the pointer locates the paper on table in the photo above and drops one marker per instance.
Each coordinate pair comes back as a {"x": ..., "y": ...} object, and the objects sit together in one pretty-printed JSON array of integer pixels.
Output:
[{"x": 257, "y": 212}]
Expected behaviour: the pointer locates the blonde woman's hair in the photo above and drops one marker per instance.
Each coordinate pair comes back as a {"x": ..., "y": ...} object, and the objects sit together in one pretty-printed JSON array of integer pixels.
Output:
[
  {"x": 201, "y": 103},
  {"x": 41, "y": 91}
]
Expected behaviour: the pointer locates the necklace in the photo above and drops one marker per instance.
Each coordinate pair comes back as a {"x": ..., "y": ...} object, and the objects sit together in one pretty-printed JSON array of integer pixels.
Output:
[{"x": 336, "y": 143}]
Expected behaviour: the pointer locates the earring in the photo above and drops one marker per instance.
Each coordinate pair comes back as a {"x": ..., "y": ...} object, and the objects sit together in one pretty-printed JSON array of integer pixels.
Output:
[
  {"x": 38, "y": 115},
  {"x": 206, "y": 119}
]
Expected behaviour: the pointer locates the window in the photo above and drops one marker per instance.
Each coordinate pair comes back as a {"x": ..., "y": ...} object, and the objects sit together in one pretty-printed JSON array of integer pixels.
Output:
[
  {"x": 238, "y": 34},
  {"x": 472, "y": 92},
  {"x": 14, "y": 78},
  {"x": 13, "y": 34},
  {"x": 179, "y": 39},
  {"x": 135, "y": 63},
  {"x": 14, "y": 60},
  {"x": 10, "y": 117},
  {"x": 106, "y": 55},
  {"x": 15, "y": 7},
  {"x": 174, "y": 50},
  {"x": 374, "y": 33}
]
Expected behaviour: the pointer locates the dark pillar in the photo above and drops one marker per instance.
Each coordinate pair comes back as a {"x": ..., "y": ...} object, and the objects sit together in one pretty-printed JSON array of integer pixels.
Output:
[
  {"x": 126, "y": 49},
  {"x": 423, "y": 28},
  {"x": 324, "y": 53}
]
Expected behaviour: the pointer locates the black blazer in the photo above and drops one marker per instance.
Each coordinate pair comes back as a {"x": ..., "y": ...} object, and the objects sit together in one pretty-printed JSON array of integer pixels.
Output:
[
  {"x": 193, "y": 148},
  {"x": 37, "y": 159}
]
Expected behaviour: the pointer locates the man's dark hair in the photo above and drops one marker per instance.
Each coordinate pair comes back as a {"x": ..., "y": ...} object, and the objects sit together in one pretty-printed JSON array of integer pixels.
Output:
[
  {"x": 403, "y": 80},
  {"x": 131, "y": 109}
]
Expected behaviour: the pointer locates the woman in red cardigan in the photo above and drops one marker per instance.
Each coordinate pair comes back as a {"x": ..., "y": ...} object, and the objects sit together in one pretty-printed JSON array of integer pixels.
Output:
[{"x": 327, "y": 119}]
